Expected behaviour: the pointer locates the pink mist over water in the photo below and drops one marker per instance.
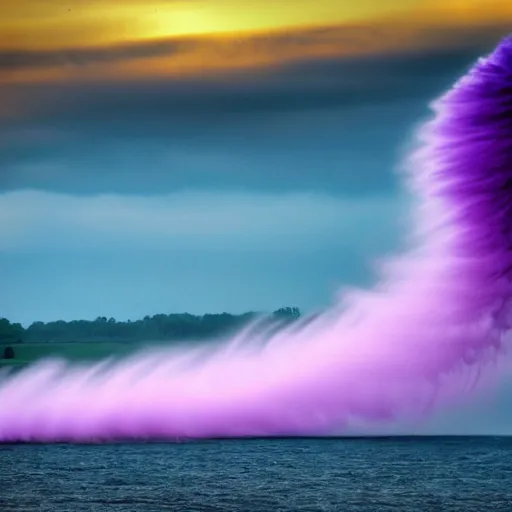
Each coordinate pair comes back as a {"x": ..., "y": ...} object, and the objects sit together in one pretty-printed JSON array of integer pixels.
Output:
[{"x": 418, "y": 340}]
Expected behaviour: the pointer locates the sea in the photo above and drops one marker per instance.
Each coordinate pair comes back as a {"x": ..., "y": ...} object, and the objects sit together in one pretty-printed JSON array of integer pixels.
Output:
[{"x": 410, "y": 474}]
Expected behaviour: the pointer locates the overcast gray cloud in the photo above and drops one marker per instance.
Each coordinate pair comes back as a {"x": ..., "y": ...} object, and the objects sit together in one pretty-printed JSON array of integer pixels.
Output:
[
  {"x": 306, "y": 126},
  {"x": 316, "y": 151},
  {"x": 298, "y": 86}
]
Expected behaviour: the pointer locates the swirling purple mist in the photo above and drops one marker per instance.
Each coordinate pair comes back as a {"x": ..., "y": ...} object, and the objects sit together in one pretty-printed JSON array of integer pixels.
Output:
[{"x": 437, "y": 320}]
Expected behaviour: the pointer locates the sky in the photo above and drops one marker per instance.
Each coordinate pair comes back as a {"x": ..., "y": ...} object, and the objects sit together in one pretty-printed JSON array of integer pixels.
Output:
[{"x": 213, "y": 155}]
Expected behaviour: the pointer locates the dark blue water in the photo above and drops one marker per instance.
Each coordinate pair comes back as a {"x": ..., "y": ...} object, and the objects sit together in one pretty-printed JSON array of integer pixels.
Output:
[{"x": 404, "y": 474}]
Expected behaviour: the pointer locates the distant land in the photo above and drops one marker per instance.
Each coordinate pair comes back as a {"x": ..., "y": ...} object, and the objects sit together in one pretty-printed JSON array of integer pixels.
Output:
[{"x": 86, "y": 340}]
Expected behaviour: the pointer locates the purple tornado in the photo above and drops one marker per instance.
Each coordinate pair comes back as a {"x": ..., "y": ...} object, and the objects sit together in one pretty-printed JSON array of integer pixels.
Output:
[{"x": 437, "y": 320}]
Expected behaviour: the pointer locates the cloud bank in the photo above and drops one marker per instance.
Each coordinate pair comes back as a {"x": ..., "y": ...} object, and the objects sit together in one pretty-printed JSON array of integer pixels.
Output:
[{"x": 35, "y": 220}]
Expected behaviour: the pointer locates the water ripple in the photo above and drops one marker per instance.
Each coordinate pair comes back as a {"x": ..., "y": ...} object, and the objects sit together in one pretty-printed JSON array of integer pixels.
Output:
[{"x": 286, "y": 475}]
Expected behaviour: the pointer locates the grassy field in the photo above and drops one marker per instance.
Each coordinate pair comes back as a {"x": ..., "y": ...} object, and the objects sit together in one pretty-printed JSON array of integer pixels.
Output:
[{"x": 26, "y": 353}]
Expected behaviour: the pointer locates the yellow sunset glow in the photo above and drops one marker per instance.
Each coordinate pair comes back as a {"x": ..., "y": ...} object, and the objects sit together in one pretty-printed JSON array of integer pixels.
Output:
[
  {"x": 227, "y": 16},
  {"x": 223, "y": 34},
  {"x": 60, "y": 23},
  {"x": 33, "y": 23}
]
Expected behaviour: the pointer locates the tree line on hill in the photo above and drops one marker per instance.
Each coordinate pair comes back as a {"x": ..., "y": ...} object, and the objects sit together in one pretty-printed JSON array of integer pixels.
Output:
[{"x": 155, "y": 328}]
